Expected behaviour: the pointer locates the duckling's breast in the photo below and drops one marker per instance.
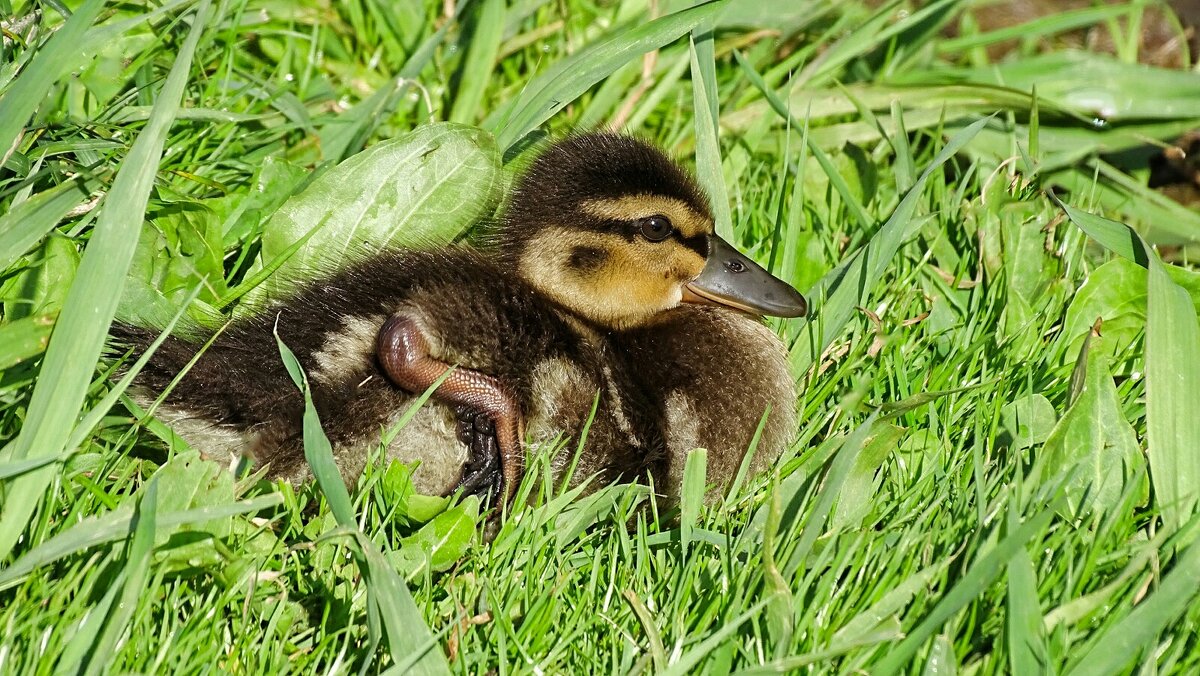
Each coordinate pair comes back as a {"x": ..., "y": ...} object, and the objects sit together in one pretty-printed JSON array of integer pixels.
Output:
[{"x": 714, "y": 373}]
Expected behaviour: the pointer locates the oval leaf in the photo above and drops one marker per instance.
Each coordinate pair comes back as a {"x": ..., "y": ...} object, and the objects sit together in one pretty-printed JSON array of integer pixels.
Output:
[{"x": 421, "y": 188}]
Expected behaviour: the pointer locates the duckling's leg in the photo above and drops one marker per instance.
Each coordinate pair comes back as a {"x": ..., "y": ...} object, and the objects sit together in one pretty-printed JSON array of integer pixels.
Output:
[{"x": 404, "y": 355}]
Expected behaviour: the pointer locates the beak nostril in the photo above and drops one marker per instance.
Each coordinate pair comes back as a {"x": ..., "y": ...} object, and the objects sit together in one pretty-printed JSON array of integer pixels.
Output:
[{"x": 735, "y": 266}]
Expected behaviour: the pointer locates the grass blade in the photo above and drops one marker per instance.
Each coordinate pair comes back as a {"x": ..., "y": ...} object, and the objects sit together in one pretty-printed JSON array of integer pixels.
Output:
[
  {"x": 28, "y": 222},
  {"x": 92, "y": 301},
  {"x": 388, "y": 596},
  {"x": 137, "y": 569},
  {"x": 1138, "y": 631},
  {"x": 708, "y": 145},
  {"x": 55, "y": 59},
  {"x": 569, "y": 78},
  {"x": 691, "y": 497},
  {"x": 113, "y": 526},
  {"x": 1172, "y": 390},
  {"x": 1026, "y": 631},
  {"x": 832, "y": 487},
  {"x": 477, "y": 68},
  {"x": 969, "y": 586}
]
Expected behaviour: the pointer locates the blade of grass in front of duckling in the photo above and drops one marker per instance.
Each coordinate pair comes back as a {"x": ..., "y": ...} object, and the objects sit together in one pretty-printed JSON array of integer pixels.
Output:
[
  {"x": 1172, "y": 380},
  {"x": 406, "y": 630},
  {"x": 707, "y": 114},
  {"x": 569, "y": 78},
  {"x": 691, "y": 495},
  {"x": 91, "y": 302}
]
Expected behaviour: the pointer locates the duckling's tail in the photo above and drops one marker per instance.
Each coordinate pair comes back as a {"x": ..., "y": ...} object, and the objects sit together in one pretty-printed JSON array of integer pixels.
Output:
[{"x": 225, "y": 384}]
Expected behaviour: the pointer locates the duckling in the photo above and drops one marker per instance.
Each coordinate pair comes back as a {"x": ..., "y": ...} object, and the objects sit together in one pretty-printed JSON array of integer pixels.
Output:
[{"x": 604, "y": 234}]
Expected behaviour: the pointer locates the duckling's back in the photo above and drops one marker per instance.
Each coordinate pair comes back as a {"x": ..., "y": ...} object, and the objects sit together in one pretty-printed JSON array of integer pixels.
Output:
[{"x": 238, "y": 398}]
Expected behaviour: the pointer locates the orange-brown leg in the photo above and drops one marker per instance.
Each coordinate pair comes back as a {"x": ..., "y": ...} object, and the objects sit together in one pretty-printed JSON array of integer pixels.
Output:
[{"x": 404, "y": 355}]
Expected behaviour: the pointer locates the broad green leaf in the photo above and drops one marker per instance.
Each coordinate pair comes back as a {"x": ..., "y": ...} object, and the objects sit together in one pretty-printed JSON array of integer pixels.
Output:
[
  {"x": 423, "y": 188},
  {"x": 1027, "y": 421},
  {"x": 188, "y": 482},
  {"x": 1172, "y": 383},
  {"x": 180, "y": 250},
  {"x": 862, "y": 484},
  {"x": 243, "y": 214},
  {"x": 24, "y": 339},
  {"x": 92, "y": 300},
  {"x": 1116, "y": 293},
  {"x": 1095, "y": 445},
  {"x": 41, "y": 288},
  {"x": 398, "y": 490},
  {"x": 567, "y": 79},
  {"x": 439, "y": 544}
]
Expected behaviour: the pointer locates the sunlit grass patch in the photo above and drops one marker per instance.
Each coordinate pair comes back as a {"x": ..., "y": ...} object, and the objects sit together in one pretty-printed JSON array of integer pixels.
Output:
[{"x": 985, "y": 476}]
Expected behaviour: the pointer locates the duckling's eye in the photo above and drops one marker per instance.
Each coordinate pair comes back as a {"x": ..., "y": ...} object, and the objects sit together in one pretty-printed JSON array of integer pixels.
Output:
[{"x": 656, "y": 228}]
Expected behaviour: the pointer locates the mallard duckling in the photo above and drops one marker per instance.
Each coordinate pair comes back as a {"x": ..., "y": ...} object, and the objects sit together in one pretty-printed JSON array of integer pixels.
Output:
[{"x": 603, "y": 234}]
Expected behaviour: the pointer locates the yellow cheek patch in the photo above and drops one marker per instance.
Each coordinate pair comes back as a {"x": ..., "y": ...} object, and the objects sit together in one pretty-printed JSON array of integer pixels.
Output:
[
  {"x": 686, "y": 220},
  {"x": 629, "y": 283}
]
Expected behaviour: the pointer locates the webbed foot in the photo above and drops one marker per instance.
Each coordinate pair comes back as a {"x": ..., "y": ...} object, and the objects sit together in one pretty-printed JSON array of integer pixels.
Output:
[{"x": 481, "y": 473}]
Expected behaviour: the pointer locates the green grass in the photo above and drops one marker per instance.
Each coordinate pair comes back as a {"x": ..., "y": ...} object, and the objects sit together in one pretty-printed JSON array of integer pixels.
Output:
[{"x": 979, "y": 483}]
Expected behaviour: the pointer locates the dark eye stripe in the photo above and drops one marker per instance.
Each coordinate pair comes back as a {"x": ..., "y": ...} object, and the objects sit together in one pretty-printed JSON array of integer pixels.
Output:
[{"x": 697, "y": 243}]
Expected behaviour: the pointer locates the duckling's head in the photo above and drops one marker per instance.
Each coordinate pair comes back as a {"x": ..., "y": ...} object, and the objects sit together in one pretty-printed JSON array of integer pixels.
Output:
[{"x": 616, "y": 232}]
